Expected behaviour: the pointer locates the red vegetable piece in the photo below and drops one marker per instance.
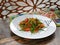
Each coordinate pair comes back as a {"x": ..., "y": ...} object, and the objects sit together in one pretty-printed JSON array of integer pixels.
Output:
[
  {"x": 27, "y": 29},
  {"x": 26, "y": 20},
  {"x": 52, "y": 10},
  {"x": 41, "y": 25}
]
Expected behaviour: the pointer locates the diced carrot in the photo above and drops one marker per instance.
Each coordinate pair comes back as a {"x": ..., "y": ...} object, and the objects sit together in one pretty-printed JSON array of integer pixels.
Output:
[
  {"x": 27, "y": 29},
  {"x": 41, "y": 25},
  {"x": 36, "y": 30}
]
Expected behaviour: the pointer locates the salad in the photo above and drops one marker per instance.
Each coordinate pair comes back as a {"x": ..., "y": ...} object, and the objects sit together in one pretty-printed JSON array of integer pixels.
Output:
[{"x": 31, "y": 24}]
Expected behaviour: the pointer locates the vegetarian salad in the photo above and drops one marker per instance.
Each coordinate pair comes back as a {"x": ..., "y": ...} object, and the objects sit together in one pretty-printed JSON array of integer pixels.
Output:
[{"x": 31, "y": 24}]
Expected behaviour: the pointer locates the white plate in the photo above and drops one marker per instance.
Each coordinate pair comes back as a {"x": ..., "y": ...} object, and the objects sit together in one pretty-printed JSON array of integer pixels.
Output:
[{"x": 14, "y": 26}]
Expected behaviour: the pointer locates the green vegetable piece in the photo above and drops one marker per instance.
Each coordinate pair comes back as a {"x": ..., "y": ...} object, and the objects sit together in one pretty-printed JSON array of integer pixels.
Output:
[{"x": 32, "y": 30}]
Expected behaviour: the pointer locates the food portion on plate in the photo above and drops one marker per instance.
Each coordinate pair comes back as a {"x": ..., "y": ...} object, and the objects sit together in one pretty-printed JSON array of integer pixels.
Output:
[{"x": 31, "y": 24}]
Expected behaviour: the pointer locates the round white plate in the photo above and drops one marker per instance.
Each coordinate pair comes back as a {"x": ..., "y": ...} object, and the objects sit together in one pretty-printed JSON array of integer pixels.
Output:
[{"x": 14, "y": 26}]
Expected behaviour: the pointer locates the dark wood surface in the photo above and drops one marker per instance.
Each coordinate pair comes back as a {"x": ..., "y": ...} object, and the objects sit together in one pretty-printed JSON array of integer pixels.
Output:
[{"x": 8, "y": 38}]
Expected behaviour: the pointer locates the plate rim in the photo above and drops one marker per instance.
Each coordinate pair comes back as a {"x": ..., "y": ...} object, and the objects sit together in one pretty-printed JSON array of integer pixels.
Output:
[{"x": 32, "y": 38}]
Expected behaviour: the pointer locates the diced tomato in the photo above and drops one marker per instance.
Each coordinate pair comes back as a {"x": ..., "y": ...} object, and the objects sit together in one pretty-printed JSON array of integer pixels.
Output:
[
  {"x": 26, "y": 20},
  {"x": 27, "y": 29},
  {"x": 52, "y": 10}
]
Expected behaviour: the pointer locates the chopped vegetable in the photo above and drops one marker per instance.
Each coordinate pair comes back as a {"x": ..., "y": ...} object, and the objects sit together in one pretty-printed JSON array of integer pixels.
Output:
[{"x": 31, "y": 24}]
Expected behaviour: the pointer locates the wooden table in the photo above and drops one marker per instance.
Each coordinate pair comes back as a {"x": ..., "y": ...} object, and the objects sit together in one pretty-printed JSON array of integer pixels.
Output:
[{"x": 8, "y": 38}]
